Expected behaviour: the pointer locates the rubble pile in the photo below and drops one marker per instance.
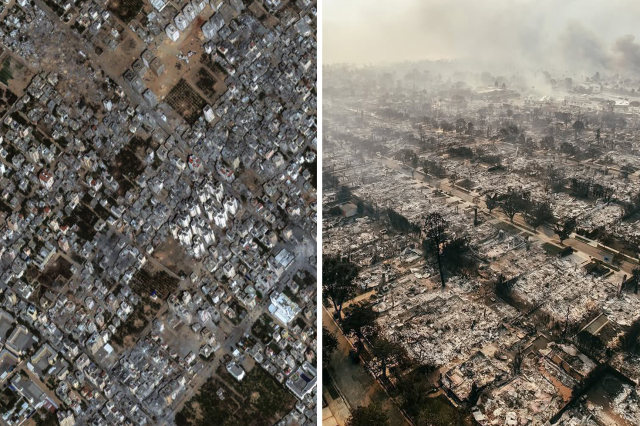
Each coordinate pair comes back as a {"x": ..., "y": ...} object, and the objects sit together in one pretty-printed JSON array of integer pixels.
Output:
[{"x": 438, "y": 328}]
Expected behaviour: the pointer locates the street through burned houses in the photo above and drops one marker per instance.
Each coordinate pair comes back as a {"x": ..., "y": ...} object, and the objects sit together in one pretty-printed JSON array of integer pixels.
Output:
[{"x": 496, "y": 252}]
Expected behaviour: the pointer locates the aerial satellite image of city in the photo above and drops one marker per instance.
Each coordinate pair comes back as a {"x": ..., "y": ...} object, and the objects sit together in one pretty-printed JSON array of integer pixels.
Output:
[{"x": 158, "y": 236}]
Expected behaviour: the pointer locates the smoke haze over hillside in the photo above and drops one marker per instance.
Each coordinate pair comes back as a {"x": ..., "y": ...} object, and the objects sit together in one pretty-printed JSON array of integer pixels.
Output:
[{"x": 578, "y": 36}]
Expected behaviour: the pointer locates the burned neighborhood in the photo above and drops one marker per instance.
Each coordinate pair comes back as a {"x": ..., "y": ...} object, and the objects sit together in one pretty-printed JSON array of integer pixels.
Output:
[{"x": 481, "y": 233}]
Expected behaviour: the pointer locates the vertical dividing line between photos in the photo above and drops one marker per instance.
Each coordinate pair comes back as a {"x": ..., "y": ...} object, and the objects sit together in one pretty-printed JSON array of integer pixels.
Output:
[{"x": 319, "y": 210}]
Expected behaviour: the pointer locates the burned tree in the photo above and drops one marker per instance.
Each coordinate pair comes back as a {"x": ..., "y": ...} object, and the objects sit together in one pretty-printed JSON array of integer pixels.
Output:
[
  {"x": 578, "y": 126},
  {"x": 435, "y": 237},
  {"x": 401, "y": 223},
  {"x": 450, "y": 254},
  {"x": 457, "y": 256},
  {"x": 635, "y": 279},
  {"x": 491, "y": 200},
  {"x": 344, "y": 194},
  {"x": 553, "y": 179},
  {"x": 517, "y": 362},
  {"x": 548, "y": 143}
]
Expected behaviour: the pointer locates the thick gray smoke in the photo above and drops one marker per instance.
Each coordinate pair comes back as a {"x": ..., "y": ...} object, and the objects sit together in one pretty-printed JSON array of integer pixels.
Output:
[
  {"x": 628, "y": 53},
  {"x": 573, "y": 36},
  {"x": 582, "y": 47}
]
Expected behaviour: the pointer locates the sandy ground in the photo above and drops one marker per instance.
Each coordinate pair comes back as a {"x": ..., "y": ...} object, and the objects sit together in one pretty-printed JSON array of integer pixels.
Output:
[
  {"x": 21, "y": 75},
  {"x": 173, "y": 256},
  {"x": 189, "y": 41}
]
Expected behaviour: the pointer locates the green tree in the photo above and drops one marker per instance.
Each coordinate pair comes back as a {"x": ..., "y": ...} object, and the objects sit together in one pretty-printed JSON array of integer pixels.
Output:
[
  {"x": 373, "y": 415},
  {"x": 389, "y": 353},
  {"x": 335, "y": 211},
  {"x": 360, "y": 319},
  {"x": 513, "y": 203},
  {"x": 329, "y": 345},
  {"x": 337, "y": 281}
]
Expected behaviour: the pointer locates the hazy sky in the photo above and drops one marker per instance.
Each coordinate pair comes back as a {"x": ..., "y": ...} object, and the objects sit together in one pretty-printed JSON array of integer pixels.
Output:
[{"x": 578, "y": 33}]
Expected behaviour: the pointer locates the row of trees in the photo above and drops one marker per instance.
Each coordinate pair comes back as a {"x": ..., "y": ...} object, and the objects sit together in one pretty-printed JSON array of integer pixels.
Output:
[
  {"x": 372, "y": 415},
  {"x": 397, "y": 221},
  {"x": 479, "y": 155},
  {"x": 535, "y": 213},
  {"x": 400, "y": 223},
  {"x": 514, "y": 202},
  {"x": 586, "y": 188},
  {"x": 408, "y": 156},
  {"x": 508, "y": 130},
  {"x": 360, "y": 323},
  {"x": 450, "y": 253},
  {"x": 461, "y": 152},
  {"x": 411, "y": 384},
  {"x": 424, "y": 410}
]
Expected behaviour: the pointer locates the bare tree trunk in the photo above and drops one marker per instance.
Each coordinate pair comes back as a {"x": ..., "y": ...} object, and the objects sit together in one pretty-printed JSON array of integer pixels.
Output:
[
  {"x": 440, "y": 266},
  {"x": 338, "y": 308}
]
